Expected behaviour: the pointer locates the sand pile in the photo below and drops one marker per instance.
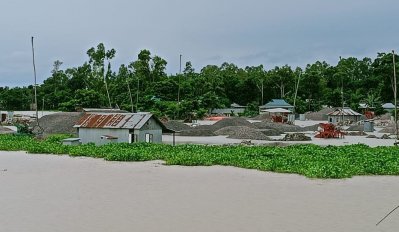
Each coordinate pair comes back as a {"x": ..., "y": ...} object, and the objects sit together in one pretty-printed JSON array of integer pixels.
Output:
[
  {"x": 242, "y": 132},
  {"x": 59, "y": 123},
  {"x": 176, "y": 126},
  {"x": 319, "y": 115}
]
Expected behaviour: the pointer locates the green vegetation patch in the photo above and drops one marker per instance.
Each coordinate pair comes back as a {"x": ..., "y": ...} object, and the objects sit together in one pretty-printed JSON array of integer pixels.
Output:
[{"x": 309, "y": 160}]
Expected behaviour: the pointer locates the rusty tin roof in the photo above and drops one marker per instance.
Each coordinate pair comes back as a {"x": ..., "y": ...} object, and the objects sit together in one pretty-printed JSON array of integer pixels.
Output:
[{"x": 117, "y": 121}]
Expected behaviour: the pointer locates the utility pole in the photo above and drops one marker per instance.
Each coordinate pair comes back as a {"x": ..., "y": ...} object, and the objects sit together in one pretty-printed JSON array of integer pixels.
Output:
[
  {"x": 106, "y": 87},
  {"x": 130, "y": 94},
  {"x": 137, "y": 92},
  {"x": 342, "y": 94},
  {"x": 35, "y": 86},
  {"x": 296, "y": 89},
  {"x": 178, "y": 90},
  {"x": 395, "y": 94}
]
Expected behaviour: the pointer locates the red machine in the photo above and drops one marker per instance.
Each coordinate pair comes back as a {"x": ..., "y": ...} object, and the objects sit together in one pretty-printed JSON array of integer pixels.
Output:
[
  {"x": 329, "y": 131},
  {"x": 369, "y": 114}
]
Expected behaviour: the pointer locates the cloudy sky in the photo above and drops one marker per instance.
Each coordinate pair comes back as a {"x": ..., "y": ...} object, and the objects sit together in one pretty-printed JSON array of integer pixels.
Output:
[{"x": 251, "y": 32}]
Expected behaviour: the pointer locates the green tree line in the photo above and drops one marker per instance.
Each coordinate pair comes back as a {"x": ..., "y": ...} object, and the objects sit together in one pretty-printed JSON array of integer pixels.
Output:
[{"x": 143, "y": 85}]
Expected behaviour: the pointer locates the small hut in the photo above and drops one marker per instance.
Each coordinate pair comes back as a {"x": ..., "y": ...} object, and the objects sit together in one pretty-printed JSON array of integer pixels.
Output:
[
  {"x": 103, "y": 128},
  {"x": 343, "y": 115}
]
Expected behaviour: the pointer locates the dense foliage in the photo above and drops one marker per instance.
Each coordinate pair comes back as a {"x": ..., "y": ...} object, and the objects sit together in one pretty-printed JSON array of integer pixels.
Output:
[
  {"x": 143, "y": 85},
  {"x": 308, "y": 160}
]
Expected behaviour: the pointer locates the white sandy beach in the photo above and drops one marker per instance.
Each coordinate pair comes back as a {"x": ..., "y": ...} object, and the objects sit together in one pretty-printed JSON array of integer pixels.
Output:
[{"x": 40, "y": 193}]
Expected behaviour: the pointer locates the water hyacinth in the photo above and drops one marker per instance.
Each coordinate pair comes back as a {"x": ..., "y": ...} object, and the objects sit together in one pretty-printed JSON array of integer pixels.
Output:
[{"x": 309, "y": 160}]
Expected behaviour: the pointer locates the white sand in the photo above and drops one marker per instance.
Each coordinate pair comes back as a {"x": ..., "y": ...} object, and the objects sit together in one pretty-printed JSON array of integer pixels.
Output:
[{"x": 41, "y": 193}]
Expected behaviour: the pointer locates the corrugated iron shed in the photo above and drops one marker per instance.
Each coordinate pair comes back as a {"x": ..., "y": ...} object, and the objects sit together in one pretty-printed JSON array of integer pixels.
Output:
[{"x": 117, "y": 121}]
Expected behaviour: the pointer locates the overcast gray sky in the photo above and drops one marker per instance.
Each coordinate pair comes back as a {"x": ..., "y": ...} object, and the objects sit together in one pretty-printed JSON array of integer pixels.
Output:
[{"x": 250, "y": 32}]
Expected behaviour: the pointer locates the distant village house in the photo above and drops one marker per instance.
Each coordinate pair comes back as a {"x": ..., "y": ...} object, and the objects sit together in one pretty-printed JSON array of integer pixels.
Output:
[{"x": 103, "y": 128}]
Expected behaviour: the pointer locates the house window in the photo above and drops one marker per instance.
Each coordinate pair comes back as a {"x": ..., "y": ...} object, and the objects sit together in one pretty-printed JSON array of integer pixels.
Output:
[{"x": 148, "y": 138}]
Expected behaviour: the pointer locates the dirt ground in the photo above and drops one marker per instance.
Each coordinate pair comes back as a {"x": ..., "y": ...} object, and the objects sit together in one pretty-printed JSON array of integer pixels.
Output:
[{"x": 58, "y": 193}]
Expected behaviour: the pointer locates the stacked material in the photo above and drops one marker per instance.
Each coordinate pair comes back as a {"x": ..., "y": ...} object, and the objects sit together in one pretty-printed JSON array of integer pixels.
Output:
[
  {"x": 232, "y": 122},
  {"x": 176, "y": 126},
  {"x": 58, "y": 123},
  {"x": 196, "y": 132},
  {"x": 319, "y": 115},
  {"x": 284, "y": 127},
  {"x": 296, "y": 137},
  {"x": 242, "y": 132}
]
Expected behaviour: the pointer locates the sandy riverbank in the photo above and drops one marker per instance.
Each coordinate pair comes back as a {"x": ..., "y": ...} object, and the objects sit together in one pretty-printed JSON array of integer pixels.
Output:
[{"x": 59, "y": 193}]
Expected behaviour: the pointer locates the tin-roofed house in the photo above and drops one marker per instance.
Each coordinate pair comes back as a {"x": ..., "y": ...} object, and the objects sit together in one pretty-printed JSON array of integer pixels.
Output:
[
  {"x": 344, "y": 115},
  {"x": 277, "y": 103},
  {"x": 103, "y": 128}
]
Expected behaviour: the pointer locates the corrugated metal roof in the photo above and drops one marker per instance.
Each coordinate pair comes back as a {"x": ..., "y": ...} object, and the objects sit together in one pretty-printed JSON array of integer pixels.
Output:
[
  {"x": 345, "y": 112},
  {"x": 116, "y": 120},
  {"x": 276, "y": 103}
]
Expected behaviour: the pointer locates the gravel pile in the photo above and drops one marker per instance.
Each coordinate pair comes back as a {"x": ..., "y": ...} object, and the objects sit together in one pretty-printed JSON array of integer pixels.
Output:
[
  {"x": 176, "y": 126},
  {"x": 356, "y": 128},
  {"x": 242, "y": 132},
  {"x": 296, "y": 137},
  {"x": 389, "y": 129},
  {"x": 319, "y": 115},
  {"x": 386, "y": 116},
  {"x": 197, "y": 132},
  {"x": 279, "y": 126},
  {"x": 310, "y": 128},
  {"x": 232, "y": 122},
  {"x": 59, "y": 123},
  {"x": 263, "y": 117}
]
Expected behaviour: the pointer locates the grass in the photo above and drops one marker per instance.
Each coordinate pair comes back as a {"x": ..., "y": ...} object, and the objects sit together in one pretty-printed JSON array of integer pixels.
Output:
[{"x": 309, "y": 160}]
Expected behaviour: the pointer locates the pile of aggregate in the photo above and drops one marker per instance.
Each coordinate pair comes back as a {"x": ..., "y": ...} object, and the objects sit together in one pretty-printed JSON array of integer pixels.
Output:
[
  {"x": 58, "y": 123},
  {"x": 262, "y": 117},
  {"x": 197, "y": 132},
  {"x": 176, "y": 126},
  {"x": 319, "y": 115},
  {"x": 284, "y": 127},
  {"x": 231, "y": 122},
  {"x": 242, "y": 132},
  {"x": 296, "y": 137},
  {"x": 390, "y": 128}
]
